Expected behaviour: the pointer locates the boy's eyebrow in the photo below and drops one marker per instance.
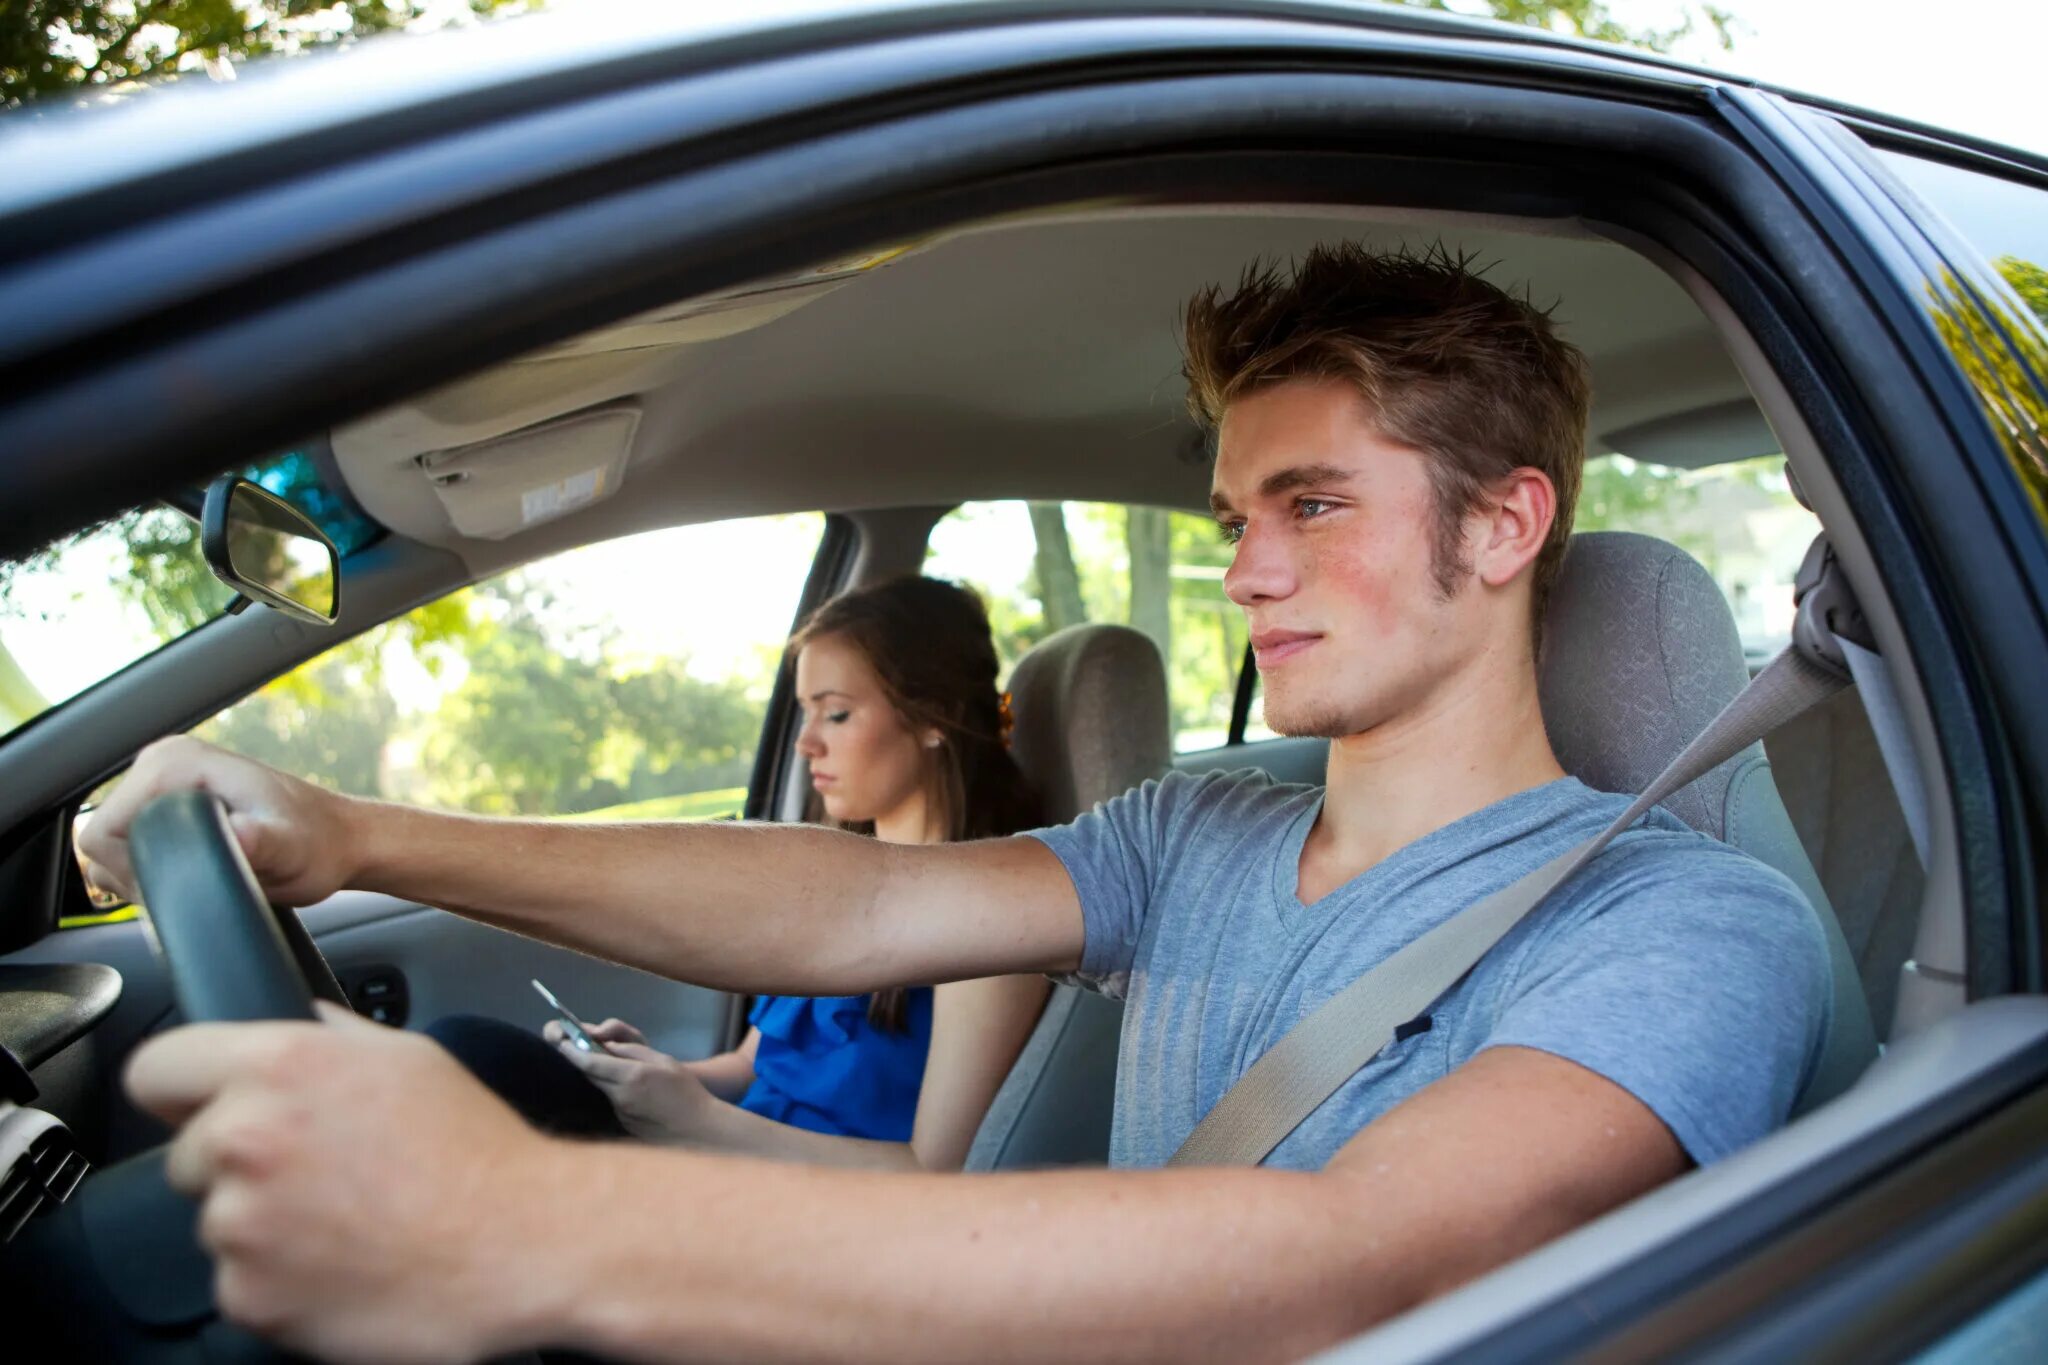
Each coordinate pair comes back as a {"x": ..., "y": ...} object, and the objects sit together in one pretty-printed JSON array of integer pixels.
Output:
[
  {"x": 1286, "y": 480},
  {"x": 1302, "y": 476}
]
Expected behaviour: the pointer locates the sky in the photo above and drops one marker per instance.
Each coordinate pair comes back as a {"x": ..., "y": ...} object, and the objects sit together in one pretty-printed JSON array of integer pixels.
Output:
[{"x": 1974, "y": 66}]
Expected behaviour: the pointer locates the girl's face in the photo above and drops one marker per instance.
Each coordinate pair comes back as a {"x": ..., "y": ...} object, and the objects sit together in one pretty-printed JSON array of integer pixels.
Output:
[{"x": 866, "y": 762}]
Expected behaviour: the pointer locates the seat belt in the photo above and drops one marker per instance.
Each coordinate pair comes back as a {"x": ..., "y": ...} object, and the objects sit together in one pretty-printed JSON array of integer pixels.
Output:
[{"x": 1326, "y": 1049}]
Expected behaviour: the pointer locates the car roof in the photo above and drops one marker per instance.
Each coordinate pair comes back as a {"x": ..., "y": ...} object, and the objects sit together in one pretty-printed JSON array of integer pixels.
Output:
[{"x": 394, "y": 84}]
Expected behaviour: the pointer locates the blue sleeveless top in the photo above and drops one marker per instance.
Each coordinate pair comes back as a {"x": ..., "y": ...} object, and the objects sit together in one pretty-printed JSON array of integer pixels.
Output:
[{"x": 821, "y": 1065}]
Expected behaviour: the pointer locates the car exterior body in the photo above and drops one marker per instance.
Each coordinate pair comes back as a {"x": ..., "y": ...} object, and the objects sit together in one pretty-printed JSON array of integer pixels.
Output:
[{"x": 202, "y": 277}]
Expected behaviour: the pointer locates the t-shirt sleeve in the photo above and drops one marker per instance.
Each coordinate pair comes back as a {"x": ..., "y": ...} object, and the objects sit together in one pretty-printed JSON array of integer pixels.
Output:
[
  {"x": 1112, "y": 853},
  {"x": 1700, "y": 985}
]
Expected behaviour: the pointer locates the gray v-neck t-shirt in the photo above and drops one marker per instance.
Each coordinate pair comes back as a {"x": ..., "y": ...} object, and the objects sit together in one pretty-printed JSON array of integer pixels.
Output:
[{"x": 1684, "y": 971}]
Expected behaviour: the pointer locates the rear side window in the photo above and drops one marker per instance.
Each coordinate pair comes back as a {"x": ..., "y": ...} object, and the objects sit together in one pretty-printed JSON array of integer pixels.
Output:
[{"x": 1043, "y": 566}]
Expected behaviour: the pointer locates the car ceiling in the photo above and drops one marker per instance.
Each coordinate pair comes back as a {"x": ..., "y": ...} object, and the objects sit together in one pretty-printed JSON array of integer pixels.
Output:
[{"x": 1035, "y": 357}]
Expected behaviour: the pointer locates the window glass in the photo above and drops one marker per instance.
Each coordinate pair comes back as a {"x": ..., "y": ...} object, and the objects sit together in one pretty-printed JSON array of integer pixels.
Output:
[
  {"x": 623, "y": 681},
  {"x": 1739, "y": 519},
  {"x": 1043, "y": 566},
  {"x": 92, "y": 602},
  {"x": 2005, "y": 220}
]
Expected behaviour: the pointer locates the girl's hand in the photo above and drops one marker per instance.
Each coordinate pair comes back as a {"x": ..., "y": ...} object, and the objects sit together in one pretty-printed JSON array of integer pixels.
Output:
[
  {"x": 655, "y": 1096},
  {"x": 617, "y": 1031}
]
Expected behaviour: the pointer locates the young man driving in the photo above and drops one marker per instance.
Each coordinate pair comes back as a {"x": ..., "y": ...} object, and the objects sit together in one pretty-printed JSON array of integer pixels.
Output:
[{"x": 1399, "y": 446}]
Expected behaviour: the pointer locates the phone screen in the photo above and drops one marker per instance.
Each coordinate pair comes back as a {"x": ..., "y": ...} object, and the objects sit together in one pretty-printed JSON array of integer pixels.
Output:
[{"x": 578, "y": 1031}]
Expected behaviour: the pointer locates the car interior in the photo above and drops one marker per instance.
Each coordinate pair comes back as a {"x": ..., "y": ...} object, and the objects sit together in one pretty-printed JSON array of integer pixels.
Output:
[{"x": 1034, "y": 357}]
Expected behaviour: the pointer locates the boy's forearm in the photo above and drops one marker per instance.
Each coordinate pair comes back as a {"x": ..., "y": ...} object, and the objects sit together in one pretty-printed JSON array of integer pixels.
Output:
[
  {"x": 788, "y": 909},
  {"x": 733, "y": 906},
  {"x": 676, "y": 1256}
]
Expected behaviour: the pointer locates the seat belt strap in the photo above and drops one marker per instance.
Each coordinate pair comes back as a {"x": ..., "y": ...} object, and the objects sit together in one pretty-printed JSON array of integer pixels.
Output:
[{"x": 1323, "y": 1051}]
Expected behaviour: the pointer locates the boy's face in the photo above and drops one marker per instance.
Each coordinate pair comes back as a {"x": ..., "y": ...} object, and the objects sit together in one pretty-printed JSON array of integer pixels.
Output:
[{"x": 1335, "y": 567}]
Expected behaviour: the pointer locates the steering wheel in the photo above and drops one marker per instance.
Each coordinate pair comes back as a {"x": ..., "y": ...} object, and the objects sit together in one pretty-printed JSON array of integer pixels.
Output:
[
  {"x": 231, "y": 956},
  {"x": 118, "y": 1271}
]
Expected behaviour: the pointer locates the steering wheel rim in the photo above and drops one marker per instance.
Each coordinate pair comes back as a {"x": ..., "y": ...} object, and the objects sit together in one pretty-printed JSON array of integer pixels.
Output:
[{"x": 226, "y": 952}]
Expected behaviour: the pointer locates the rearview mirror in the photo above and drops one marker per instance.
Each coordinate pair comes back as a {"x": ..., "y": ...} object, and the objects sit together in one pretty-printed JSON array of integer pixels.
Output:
[{"x": 269, "y": 551}]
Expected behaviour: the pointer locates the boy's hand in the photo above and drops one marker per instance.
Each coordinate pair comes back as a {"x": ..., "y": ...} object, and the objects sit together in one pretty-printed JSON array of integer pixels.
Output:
[
  {"x": 296, "y": 836},
  {"x": 362, "y": 1196}
]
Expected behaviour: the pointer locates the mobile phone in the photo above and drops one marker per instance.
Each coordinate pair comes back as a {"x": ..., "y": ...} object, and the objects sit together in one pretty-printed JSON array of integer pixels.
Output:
[{"x": 578, "y": 1031}]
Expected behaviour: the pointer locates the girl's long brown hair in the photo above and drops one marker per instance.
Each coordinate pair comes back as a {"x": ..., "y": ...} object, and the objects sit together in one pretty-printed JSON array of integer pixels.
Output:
[{"x": 928, "y": 643}]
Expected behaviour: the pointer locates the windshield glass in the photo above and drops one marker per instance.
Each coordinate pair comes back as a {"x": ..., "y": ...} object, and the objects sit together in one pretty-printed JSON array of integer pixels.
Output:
[{"x": 92, "y": 602}]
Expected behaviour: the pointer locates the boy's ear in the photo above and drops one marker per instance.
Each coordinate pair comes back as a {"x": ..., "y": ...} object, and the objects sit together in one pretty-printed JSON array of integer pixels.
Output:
[{"x": 1518, "y": 524}]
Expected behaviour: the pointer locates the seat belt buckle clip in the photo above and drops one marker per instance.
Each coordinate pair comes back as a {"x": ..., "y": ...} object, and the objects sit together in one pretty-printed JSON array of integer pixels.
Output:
[{"x": 1827, "y": 610}]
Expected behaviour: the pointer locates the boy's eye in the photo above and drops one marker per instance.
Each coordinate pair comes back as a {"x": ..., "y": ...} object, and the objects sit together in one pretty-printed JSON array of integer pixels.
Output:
[
  {"x": 1231, "y": 531},
  {"x": 1311, "y": 507}
]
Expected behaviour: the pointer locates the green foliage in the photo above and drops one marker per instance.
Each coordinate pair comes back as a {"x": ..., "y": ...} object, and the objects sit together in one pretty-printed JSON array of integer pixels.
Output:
[
  {"x": 48, "y": 46},
  {"x": 724, "y": 804},
  {"x": 545, "y": 725},
  {"x": 1591, "y": 19},
  {"x": 2004, "y": 354},
  {"x": 323, "y": 723},
  {"x": 2029, "y": 281}
]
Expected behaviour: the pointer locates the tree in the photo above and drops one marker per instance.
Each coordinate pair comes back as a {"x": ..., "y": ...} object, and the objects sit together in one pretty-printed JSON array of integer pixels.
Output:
[
  {"x": 47, "y": 46},
  {"x": 1591, "y": 19},
  {"x": 2029, "y": 281},
  {"x": 546, "y": 723},
  {"x": 1059, "y": 586},
  {"x": 326, "y": 723},
  {"x": 2005, "y": 356},
  {"x": 1148, "y": 539}
]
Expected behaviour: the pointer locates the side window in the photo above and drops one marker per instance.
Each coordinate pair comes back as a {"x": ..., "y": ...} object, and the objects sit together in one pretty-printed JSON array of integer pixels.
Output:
[
  {"x": 623, "y": 681},
  {"x": 1043, "y": 566},
  {"x": 1739, "y": 519},
  {"x": 2005, "y": 220}
]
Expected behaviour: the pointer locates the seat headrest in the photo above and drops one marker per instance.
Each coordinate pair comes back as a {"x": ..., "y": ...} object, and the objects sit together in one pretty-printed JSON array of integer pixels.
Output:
[
  {"x": 1091, "y": 723},
  {"x": 1640, "y": 651}
]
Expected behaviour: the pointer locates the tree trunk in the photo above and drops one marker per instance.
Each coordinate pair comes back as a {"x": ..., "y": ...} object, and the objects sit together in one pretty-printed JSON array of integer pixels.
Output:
[
  {"x": 1059, "y": 585},
  {"x": 19, "y": 698},
  {"x": 1149, "y": 538}
]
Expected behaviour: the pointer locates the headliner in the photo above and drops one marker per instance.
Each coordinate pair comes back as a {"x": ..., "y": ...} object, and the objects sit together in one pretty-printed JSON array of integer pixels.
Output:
[{"x": 1035, "y": 357}]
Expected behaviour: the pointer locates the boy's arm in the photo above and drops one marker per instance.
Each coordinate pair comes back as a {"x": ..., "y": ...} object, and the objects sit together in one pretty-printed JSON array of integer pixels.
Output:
[
  {"x": 461, "y": 1233},
  {"x": 785, "y": 909}
]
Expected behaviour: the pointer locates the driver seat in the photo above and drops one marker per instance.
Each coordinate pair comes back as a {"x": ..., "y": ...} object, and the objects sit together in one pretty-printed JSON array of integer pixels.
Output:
[
  {"x": 1091, "y": 723},
  {"x": 1640, "y": 652}
]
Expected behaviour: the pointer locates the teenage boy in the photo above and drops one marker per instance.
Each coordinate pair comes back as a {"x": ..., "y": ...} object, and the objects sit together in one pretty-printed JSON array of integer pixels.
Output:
[{"x": 1399, "y": 448}]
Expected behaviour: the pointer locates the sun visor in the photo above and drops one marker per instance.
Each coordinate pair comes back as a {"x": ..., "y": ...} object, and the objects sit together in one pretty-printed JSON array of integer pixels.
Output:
[{"x": 496, "y": 489}]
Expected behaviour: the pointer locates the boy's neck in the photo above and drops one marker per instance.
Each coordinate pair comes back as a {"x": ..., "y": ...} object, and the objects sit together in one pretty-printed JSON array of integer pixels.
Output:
[{"x": 1475, "y": 740}]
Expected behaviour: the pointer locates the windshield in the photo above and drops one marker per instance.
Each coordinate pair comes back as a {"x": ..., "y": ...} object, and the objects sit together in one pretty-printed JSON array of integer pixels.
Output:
[{"x": 92, "y": 602}]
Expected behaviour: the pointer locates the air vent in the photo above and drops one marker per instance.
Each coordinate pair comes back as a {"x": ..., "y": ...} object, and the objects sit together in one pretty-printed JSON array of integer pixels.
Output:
[{"x": 43, "y": 1173}]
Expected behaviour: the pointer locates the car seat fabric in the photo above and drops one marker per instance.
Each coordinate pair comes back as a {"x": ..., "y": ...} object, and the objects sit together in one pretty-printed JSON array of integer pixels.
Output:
[
  {"x": 1091, "y": 723},
  {"x": 1639, "y": 653},
  {"x": 1835, "y": 783}
]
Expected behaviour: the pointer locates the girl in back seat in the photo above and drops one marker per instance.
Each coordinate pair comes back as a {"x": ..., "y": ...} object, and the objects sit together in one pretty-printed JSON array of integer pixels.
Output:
[{"x": 906, "y": 736}]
